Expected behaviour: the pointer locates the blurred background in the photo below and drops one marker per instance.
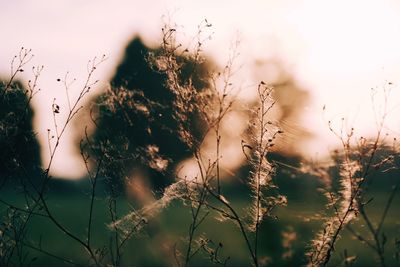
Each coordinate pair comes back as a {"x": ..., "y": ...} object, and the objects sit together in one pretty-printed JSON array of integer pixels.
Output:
[
  {"x": 322, "y": 58},
  {"x": 335, "y": 52}
]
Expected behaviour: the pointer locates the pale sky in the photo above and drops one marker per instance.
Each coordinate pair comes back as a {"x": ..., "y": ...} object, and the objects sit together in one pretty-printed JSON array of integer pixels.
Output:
[{"x": 338, "y": 50}]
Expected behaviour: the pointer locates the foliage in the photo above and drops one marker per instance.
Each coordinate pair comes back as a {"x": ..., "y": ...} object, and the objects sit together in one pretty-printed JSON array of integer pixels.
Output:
[
  {"x": 165, "y": 105},
  {"x": 19, "y": 151}
]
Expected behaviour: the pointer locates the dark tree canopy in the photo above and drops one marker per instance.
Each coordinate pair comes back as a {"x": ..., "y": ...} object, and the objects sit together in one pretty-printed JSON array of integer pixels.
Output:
[
  {"x": 136, "y": 124},
  {"x": 19, "y": 149}
]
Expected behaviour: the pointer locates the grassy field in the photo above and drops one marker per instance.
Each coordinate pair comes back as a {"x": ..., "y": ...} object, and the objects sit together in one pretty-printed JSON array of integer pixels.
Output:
[{"x": 283, "y": 240}]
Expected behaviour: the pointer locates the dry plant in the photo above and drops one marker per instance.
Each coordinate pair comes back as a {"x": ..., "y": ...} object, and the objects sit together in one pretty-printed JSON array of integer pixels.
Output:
[
  {"x": 203, "y": 194},
  {"x": 17, "y": 137},
  {"x": 359, "y": 161},
  {"x": 16, "y": 224}
]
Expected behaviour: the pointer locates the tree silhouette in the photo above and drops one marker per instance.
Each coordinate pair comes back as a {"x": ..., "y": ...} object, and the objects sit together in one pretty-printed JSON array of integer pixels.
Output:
[
  {"x": 136, "y": 130},
  {"x": 19, "y": 149}
]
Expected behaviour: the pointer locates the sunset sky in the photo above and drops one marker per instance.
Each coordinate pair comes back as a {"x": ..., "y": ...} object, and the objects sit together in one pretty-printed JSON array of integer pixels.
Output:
[{"x": 337, "y": 50}]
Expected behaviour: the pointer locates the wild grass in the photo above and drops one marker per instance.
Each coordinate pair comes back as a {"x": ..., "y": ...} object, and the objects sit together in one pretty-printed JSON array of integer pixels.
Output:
[{"x": 198, "y": 100}]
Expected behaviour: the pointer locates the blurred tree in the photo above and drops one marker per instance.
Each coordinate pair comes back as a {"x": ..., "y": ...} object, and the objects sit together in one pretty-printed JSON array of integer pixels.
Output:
[
  {"x": 136, "y": 131},
  {"x": 291, "y": 102},
  {"x": 19, "y": 149}
]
